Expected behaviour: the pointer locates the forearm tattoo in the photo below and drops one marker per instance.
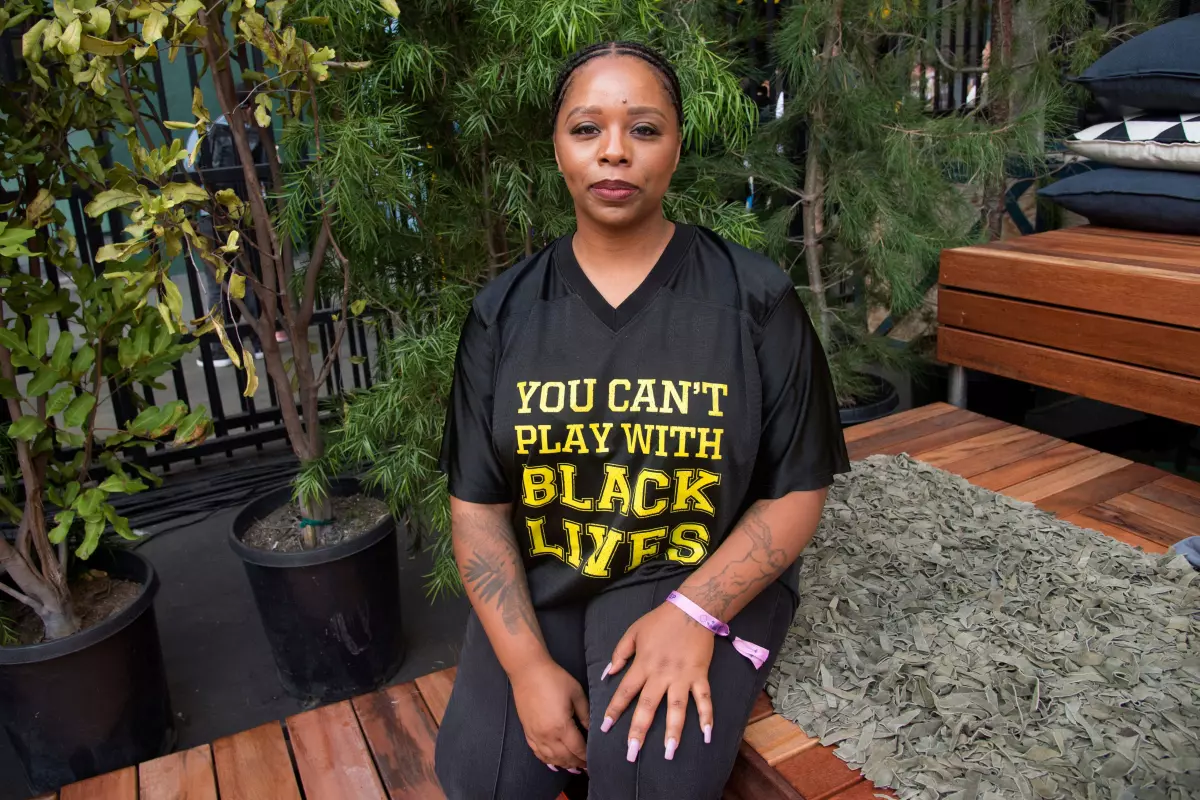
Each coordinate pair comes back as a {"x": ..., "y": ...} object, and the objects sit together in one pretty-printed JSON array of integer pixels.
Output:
[
  {"x": 758, "y": 566},
  {"x": 493, "y": 571}
]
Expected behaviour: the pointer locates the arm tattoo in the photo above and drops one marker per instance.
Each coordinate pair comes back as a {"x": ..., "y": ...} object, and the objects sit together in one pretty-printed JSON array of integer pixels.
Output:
[
  {"x": 762, "y": 561},
  {"x": 494, "y": 572}
]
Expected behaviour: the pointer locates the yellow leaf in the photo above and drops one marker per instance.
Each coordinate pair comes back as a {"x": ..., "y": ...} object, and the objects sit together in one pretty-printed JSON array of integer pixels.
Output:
[
  {"x": 104, "y": 47},
  {"x": 251, "y": 375},
  {"x": 198, "y": 107},
  {"x": 153, "y": 27},
  {"x": 109, "y": 199},
  {"x": 231, "y": 244},
  {"x": 322, "y": 55},
  {"x": 100, "y": 19},
  {"x": 169, "y": 294},
  {"x": 100, "y": 84},
  {"x": 68, "y": 45},
  {"x": 390, "y": 7},
  {"x": 187, "y": 9},
  {"x": 178, "y": 192},
  {"x": 262, "y": 110},
  {"x": 237, "y": 286},
  {"x": 142, "y": 51},
  {"x": 229, "y": 199},
  {"x": 357, "y": 307},
  {"x": 31, "y": 42},
  {"x": 219, "y": 330},
  {"x": 121, "y": 251},
  {"x": 54, "y": 32},
  {"x": 179, "y": 126},
  {"x": 38, "y": 208}
]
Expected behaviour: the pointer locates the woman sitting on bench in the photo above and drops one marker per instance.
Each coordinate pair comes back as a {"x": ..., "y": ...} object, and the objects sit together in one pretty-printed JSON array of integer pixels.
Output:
[{"x": 640, "y": 437}]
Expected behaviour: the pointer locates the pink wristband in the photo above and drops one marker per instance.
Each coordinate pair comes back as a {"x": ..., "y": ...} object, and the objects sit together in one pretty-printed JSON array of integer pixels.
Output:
[{"x": 757, "y": 655}]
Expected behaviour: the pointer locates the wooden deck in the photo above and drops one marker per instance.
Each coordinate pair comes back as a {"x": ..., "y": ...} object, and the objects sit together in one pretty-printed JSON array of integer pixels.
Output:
[{"x": 381, "y": 745}]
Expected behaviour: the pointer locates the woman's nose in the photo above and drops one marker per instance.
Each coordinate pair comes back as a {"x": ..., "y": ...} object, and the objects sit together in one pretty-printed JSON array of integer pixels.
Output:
[{"x": 613, "y": 147}]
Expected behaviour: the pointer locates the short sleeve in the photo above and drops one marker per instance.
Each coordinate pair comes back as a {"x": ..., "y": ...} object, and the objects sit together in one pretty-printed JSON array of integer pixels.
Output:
[
  {"x": 468, "y": 455},
  {"x": 801, "y": 446}
]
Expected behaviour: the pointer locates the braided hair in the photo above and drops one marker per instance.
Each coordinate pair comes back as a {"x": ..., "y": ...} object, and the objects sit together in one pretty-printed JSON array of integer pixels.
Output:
[{"x": 656, "y": 60}]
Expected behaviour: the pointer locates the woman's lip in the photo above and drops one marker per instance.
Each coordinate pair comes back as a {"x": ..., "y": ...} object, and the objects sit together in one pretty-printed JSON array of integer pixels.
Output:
[{"x": 613, "y": 190}]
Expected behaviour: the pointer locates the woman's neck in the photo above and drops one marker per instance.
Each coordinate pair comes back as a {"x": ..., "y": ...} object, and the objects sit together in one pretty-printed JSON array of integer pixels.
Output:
[{"x": 624, "y": 250}]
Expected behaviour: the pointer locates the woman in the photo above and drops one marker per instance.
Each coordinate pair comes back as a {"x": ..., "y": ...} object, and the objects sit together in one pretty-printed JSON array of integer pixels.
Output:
[{"x": 640, "y": 437}]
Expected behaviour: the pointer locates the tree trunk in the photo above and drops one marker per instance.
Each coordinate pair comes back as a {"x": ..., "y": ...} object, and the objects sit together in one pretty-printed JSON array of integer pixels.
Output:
[
  {"x": 316, "y": 511},
  {"x": 814, "y": 224},
  {"x": 1001, "y": 62}
]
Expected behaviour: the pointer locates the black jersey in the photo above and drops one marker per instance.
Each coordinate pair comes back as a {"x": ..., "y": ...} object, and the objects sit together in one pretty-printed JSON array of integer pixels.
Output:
[{"x": 630, "y": 440}]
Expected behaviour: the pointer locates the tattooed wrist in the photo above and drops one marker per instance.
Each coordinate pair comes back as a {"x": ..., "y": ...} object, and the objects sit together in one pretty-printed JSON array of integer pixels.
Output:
[
  {"x": 759, "y": 564},
  {"x": 493, "y": 571}
]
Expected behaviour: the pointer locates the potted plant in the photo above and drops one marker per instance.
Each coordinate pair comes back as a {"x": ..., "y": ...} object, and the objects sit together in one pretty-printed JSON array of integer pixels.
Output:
[
  {"x": 82, "y": 686},
  {"x": 321, "y": 556}
]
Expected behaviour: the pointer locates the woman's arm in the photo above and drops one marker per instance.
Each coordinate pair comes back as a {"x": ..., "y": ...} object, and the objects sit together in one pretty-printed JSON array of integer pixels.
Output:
[
  {"x": 769, "y": 537},
  {"x": 673, "y": 651},
  {"x": 548, "y": 699}
]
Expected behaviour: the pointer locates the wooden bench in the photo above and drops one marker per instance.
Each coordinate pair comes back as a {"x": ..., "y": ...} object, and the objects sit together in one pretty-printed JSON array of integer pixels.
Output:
[
  {"x": 381, "y": 745},
  {"x": 1100, "y": 313}
]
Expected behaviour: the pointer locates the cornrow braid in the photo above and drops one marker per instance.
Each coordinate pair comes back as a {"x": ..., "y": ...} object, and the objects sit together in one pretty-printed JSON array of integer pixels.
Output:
[{"x": 652, "y": 57}]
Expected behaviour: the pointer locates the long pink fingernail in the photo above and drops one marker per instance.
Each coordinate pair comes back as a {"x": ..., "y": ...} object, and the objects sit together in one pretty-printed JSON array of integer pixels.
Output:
[
  {"x": 671, "y": 745},
  {"x": 552, "y": 768},
  {"x": 632, "y": 753},
  {"x": 573, "y": 771},
  {"x": 708, "y": 734},
  {"x": 607, "y": 670},
  {"x": 606, "y": 726}
]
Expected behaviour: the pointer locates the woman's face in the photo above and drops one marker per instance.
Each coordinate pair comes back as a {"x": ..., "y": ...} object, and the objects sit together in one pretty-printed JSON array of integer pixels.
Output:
[{"x": 617, "y": 140}]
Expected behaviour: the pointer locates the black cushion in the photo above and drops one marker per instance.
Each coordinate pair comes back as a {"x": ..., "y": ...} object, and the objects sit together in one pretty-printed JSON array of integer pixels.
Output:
[
  {"x": 1157, "y": 71},
  {"x": 1136, "y": 199}
]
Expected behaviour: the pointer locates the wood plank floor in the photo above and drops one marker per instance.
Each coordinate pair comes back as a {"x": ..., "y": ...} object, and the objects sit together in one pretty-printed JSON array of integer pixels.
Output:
[{"x": 381, "y": 745}]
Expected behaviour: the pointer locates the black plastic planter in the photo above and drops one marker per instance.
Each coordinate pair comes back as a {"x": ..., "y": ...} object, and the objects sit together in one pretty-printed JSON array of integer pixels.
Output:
[
  {"x": 332, "y": 615},
  {"x": 93, "y": 702},
  {"x": 882, "y": 401}
]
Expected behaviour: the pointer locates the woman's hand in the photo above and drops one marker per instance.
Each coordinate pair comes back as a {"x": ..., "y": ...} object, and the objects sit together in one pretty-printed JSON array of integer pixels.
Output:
[
  {"x": 548, "y": 702},
  {"x": 671, "y": 654}
]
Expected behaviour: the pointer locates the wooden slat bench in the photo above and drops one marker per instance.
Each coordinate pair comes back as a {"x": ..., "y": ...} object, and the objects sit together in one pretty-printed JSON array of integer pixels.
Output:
[
  {"x": 381, "y": 745},
  {"x": 1100, "y": 313}
]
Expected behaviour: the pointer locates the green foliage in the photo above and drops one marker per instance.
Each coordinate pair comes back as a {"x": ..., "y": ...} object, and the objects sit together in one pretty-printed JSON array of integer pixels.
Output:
[
  {"x": 63, "y": 350},
  {"x": 888, "y": 184},
  {"x": 452, "y": 153}
]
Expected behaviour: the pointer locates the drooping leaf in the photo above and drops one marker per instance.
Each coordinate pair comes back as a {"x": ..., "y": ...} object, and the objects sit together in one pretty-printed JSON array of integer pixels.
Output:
[
  {"x": 43, "y": 381},
  {"x": 77, "y": 412},
  {"x": 27, "y": 428},
  {"x": 39, "y": 335},
  {"x": 106, "y": 47},
  {"x": 83, "y": 360},
  {"x": 237, "y": 285},
  {"x": 64, "y": 518},
  {"x": 251, "y": 375},
  {"x": 92, "y": 530},
  {"x": 59, "y": 400},
  {"x": 109, "y": 199},
  {"x": 63, "y": 348}
]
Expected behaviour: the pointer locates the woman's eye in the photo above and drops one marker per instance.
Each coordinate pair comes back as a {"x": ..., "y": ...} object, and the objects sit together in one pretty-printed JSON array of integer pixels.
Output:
[
  {"x": 585, "y": 129},
  {"x": 645, "y": 130}
]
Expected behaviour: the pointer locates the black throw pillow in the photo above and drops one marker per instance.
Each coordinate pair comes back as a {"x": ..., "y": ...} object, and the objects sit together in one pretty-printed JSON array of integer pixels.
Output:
[
  {"x": 1134, "y": 199},
  {"x": 1157, "y": 71}
]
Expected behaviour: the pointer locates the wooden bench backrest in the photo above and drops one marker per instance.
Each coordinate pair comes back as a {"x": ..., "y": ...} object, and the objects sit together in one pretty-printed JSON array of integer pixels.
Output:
[{"x": 1105, "y": 314}]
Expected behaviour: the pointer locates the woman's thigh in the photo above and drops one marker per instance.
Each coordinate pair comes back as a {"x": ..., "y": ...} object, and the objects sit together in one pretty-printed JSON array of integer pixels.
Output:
[
  {"x": 698, "y": 771},
  {"x": 481, "y": 749}
]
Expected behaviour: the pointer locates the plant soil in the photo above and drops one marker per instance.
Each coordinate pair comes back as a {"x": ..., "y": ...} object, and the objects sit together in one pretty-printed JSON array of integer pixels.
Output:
[
  {"x": 279, "y": 531},
  {"x": 97, "y": 597}
]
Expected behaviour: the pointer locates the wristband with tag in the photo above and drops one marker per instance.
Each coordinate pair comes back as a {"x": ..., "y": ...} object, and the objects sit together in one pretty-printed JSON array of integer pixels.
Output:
[{"x": 757, "y": 655}]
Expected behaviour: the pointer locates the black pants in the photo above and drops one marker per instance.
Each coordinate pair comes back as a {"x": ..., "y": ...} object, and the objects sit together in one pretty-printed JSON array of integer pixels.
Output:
[{"x": 481, "y": 748}]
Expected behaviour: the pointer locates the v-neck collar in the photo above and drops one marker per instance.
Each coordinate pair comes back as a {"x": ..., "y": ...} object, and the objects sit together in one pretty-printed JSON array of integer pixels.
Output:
[{"x": 616, "y": 318}]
